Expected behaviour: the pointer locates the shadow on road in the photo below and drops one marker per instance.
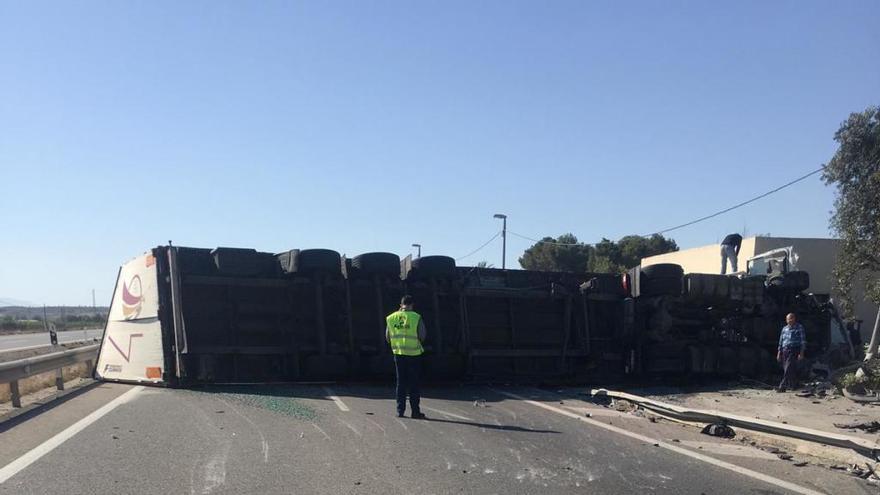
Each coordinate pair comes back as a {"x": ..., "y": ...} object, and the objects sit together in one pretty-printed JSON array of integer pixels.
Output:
[{"x": 490, "y": 426}]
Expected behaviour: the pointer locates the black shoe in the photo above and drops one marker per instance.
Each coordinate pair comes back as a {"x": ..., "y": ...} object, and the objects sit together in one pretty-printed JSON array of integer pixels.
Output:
[
  {"x": 418, "y": 415},
  {"x": 400, "y": 415}
]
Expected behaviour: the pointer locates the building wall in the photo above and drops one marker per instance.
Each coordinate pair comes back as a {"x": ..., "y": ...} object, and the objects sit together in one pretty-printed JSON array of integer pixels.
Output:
[{"x": 815, "y": 256}]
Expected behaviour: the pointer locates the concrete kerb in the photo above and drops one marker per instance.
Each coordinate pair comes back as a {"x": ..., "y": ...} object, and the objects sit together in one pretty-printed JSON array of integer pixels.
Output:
[{"x": 830, "y": 447}]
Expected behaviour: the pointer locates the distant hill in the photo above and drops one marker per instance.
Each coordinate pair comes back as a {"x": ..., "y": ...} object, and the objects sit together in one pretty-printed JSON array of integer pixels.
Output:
[
  {"x": 53, "y": 312},
  {"x": 8, "y": 301}
]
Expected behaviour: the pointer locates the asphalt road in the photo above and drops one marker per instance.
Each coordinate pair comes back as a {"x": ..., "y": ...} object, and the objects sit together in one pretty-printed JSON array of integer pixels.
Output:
[
  {"x": 300, "y": 439},
  {"x": 12, "y": 342}
]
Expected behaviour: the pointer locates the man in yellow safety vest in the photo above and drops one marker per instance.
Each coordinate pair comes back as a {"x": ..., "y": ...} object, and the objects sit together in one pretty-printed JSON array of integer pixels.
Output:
[{"x": 405, "y": 332}]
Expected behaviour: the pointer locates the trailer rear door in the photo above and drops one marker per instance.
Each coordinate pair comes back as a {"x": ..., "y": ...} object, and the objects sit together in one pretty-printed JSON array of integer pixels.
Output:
[{"x": 131, "y": 350}]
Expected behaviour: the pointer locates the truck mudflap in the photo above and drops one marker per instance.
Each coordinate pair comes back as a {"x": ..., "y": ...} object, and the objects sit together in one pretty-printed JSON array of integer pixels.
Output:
[{"x": 131, "y": 349}]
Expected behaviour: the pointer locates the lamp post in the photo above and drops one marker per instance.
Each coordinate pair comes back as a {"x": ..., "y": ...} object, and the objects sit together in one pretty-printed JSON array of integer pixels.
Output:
[
  {"x": 503, "y": 238},
  {"x": 419, "y": 247}
]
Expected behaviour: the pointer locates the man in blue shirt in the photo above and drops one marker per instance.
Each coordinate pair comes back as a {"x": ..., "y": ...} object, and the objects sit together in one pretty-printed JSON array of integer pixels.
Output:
[{"x": 792, "y": 344}]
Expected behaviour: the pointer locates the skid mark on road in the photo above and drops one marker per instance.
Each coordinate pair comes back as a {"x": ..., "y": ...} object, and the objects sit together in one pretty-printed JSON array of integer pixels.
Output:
[
  {"x": 264, "y": 443},
  {"x": 322, "y": 431},
  {"x": 215, "y": 470},
  {"x": 350, "y": 427},
  {"x": 679, "y": 450},
  {"x": 377, "y": 426}
]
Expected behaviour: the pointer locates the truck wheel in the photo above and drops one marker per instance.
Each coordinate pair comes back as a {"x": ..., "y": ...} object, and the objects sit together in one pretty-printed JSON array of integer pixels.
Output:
[
  {"x": 244, "y": 262},
  {"x": 377, "y": 263},
  {"x": 797, "y": 281},
  {"x": 661, "y": 286},
  {"x": 663, "y": 270},
  {"x": 434, "y": 266},
  {"x": 309, "y": 261}
]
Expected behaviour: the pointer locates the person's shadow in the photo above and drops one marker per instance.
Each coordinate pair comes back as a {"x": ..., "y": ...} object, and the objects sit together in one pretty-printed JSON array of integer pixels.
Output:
[{"x": 489, "y": 426}]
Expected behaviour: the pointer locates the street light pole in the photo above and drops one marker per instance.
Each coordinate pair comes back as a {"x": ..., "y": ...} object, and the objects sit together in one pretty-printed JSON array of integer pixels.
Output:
[
  {"x": 419, "y": 247},
  {"x": 503, "y": 239}
]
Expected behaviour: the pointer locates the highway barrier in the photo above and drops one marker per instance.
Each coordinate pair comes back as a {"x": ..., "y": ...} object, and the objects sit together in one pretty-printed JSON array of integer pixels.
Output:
[{"x": 13, "y": 371}]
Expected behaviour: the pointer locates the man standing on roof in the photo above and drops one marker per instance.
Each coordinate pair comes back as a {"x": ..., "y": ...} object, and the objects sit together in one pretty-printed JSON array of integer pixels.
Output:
[
  {"x": 730, "y": 250},
  {"x": 405, "y": 331},
  {"x": 792, "y": 344}
]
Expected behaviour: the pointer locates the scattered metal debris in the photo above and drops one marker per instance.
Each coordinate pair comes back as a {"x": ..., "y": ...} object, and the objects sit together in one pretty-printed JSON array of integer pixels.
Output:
[
  {"x": 718, "y": 430},
  {"x": 623, "y": 405}
]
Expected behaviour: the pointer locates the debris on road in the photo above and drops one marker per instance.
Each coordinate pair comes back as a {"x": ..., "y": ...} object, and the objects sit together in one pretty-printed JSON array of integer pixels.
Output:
[
  {"x": 623, "y": 405},
  {"x": 718, "y": 430}
]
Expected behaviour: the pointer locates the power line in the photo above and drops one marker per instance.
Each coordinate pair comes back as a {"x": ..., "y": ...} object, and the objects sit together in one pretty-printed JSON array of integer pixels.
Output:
[
  {"x": 739, "y": 205},
  {"x": 475, "y": 251},
  {"x": 692, "y": 222},
  {"x": 541, "y": 241}
]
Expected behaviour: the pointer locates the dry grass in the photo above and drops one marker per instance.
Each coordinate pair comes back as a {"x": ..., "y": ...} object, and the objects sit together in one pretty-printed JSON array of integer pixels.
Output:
[{"x": 42, "y": 381}]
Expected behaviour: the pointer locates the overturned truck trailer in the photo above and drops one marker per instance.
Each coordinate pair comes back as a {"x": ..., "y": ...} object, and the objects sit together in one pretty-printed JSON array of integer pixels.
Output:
[{"x": 183, "y": 316}]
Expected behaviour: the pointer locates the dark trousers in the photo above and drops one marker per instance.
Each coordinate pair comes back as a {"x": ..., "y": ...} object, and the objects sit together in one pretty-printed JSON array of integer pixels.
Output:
[
  {"x": 789, "y": 368},
  {"x": 409, "y": 369}
]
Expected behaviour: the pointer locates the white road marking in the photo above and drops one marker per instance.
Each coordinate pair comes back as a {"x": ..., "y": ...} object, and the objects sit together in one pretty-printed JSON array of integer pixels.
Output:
[
  {"x": 678, "y": 450},
  {"x": 447, "y": 413},
  {"x": 341, "y": 405},
  {"x": 49, "y": 445},
  {"x": 402, "y": 423},
  {"x": 322, "y": 431}
]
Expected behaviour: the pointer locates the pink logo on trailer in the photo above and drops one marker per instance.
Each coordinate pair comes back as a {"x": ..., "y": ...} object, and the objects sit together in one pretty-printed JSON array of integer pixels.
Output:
[{"x": 132, "y": 297}]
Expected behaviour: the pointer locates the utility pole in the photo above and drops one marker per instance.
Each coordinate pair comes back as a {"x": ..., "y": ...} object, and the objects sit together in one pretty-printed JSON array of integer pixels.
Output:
[
  {"x": 94, "y": 306},
  {"x": 875, "y": 339},
  {"x": 503, "y": 239}
]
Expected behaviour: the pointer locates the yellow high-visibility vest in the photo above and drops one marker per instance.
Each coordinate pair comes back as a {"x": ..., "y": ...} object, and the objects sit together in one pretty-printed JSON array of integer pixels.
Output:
[{"x": 404, "y": 327}]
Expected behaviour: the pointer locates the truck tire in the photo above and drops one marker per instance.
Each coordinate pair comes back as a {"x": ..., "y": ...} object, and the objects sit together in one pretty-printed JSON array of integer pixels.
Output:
[
  {"x": 604, "y": 284},
  {"x": 662, "y": 279},
  {"x": 797, "y": 281},
  {"x": 195, "y": 261},
  {"x": 663, "y": 270},
  {"x": 308, "y": 261},
  {"x": 661, "y": 286},
  {"x": 434, "y": 266},
  {"x": 244, "y": 262},
  {"x": 377, "y": 264},
  {"x": 286, "y": 260},
  {"x": 707, "y": 287}
]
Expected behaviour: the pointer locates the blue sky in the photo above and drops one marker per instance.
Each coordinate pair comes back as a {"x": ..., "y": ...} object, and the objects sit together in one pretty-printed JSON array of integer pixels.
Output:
[{"x": 367, "y": 126}]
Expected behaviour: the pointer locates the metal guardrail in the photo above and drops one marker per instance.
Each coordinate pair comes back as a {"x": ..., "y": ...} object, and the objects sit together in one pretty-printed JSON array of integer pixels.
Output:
[
  {"x": 863, "y": 446},
  {"x": 13, "y": 371}
]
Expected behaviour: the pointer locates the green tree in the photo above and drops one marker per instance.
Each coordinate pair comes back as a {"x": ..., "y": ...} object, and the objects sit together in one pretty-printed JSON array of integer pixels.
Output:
[
  {"x": 855, "y": 171},
  {"x": 563, "y": 254},
  {"x": 615, "y": 257}
]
